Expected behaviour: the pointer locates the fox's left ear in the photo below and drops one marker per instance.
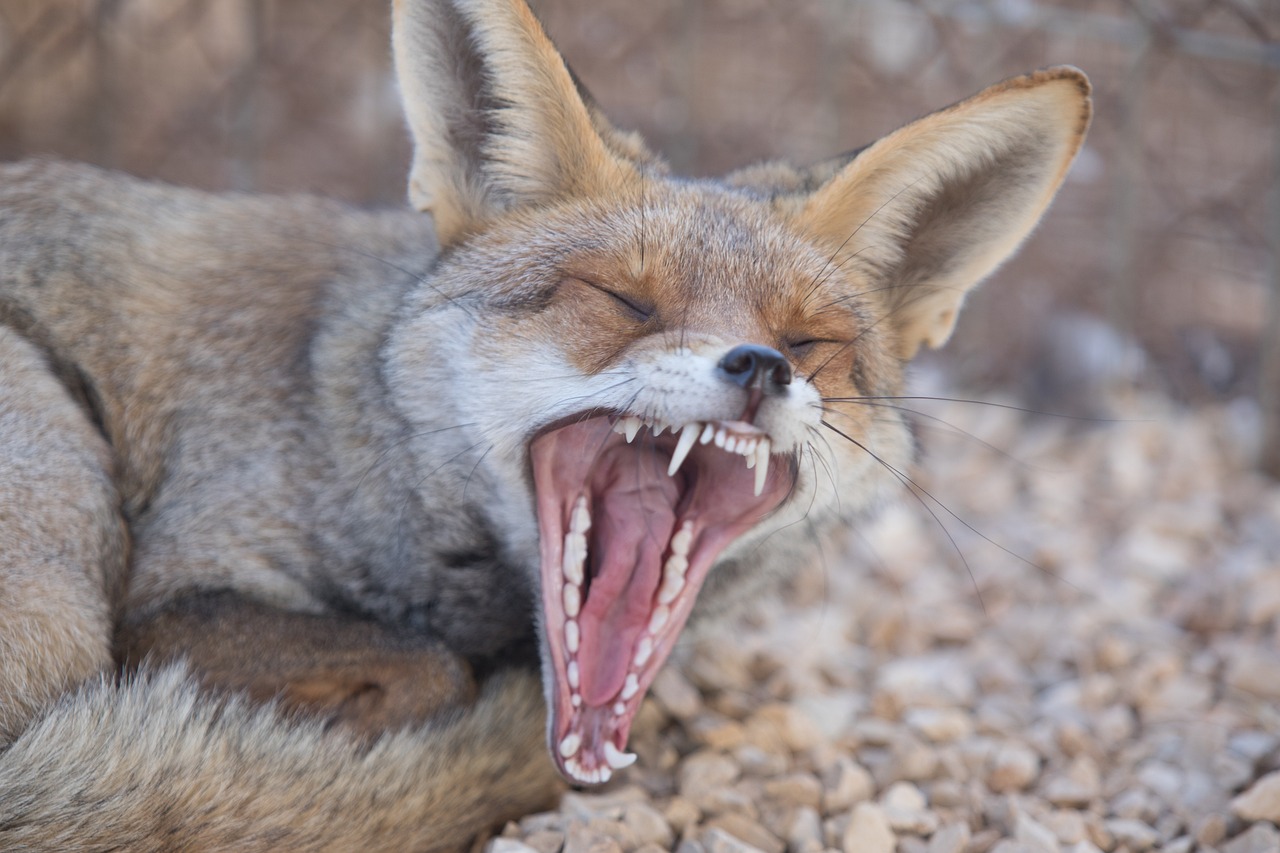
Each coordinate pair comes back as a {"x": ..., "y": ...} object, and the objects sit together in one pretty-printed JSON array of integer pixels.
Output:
[{"x": 933, "y": 208}]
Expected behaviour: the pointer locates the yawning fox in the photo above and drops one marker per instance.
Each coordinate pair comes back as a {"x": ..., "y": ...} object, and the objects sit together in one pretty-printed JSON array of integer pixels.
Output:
[{"x": 356, "y": 472}]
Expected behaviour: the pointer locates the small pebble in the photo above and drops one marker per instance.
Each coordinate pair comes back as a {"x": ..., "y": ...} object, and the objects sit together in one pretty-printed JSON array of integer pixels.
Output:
[
  {"x": 745, "y": 831},
  {"x": 868, "y": 831},
  {"x": 580, "y": 839},
  {"x": 1014, "y": 767},
  {"x": 706, "y": 771},
  {"x": 648, "y": 825},
  {"x": 851, "y": 784},
  {"x": 675, "y": 694},
  {"x": 718, "y": 841},
  {"x": 1262, "y": 837},
  {"x": 1210, "y": 830},
  {"x": 797, "y": 789},
  {"x": 1134, "y": 834},
  {"x": 1034, "y": 834},
  {"x": 1078, "y": 786},
  {"x": 940, "y": 725},
  {"x": 1261, "y": 801},
  {"x": 508, "y": 845},
  {"x": 545, "y": 842},
  {"x": 952, "y": 838},
  {"x": 805, "y": 833}
]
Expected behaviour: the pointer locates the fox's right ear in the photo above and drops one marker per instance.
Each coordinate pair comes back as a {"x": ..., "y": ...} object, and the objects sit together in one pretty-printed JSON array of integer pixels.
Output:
[{"x": 496, "y": 118}]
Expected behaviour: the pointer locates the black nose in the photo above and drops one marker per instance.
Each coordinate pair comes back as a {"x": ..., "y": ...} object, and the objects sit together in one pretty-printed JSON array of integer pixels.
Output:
[{"x": 751, "y": 366}]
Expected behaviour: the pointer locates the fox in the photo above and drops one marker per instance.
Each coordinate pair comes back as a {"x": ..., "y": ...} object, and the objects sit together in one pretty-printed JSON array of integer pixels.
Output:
[{"x": 325, "y": 528}]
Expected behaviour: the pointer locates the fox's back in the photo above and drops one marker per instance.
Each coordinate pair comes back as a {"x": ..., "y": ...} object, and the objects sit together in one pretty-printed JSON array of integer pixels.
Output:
[{"x": 151, "y": 301}]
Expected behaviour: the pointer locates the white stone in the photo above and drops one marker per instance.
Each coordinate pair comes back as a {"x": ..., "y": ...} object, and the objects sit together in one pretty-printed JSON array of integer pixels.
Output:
[
  {"x": 868, "y": 831},
  {"x": 1261, "y": 801}
]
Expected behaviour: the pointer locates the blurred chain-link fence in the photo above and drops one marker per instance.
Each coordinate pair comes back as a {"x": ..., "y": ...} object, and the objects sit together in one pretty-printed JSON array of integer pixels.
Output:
[{"x": 1160, "y": 262}]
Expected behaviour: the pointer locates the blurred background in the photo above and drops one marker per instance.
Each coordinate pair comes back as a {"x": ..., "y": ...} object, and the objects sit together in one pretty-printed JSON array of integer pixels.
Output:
[{"x": 1157, "y": 269}]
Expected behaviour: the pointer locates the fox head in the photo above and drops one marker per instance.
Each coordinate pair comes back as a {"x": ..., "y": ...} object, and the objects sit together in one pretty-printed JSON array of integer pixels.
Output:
[{"x": 671, "y": 376}]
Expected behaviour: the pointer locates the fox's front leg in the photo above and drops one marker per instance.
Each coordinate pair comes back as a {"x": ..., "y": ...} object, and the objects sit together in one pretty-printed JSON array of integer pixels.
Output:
[
  {"x": 355, "y": 673},
  {"x": 62, "y": 538}
]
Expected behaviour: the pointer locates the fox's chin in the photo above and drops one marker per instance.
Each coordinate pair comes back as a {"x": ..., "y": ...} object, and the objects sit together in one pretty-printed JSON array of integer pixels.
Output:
[{"x": 632, "y": 515}]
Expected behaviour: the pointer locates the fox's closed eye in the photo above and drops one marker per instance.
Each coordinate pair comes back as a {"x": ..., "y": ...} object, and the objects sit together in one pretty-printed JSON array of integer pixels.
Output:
[
  {"x": 803, "y": 347},
  {"x": 641, "y": 311}
]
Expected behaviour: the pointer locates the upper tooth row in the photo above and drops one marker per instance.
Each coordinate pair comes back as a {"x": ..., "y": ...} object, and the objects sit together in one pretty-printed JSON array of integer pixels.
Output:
[{"x": 755, "y": 449}]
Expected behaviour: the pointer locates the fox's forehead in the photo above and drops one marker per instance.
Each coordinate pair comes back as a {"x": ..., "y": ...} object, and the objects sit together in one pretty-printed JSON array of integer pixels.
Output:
[{"x": 699, "y": 248}]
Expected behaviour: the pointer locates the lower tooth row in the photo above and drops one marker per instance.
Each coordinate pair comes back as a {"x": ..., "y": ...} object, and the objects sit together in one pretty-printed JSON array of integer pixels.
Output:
[
  {"x": 574, "y": 568},
  {"x": 595, "y": 776},
  {"x": 615, "y": 759},
  {"x": 674, "y": 570}
]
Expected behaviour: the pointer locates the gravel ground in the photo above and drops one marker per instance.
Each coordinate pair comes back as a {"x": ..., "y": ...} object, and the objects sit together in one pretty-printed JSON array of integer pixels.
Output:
[{"x": 1117, "y": 690}]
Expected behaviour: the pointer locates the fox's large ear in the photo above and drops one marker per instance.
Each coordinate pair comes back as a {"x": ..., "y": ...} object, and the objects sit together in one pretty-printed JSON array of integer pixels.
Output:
[
  {"x": 931, "y": 209},
  {"x": 496, "y": 118}
]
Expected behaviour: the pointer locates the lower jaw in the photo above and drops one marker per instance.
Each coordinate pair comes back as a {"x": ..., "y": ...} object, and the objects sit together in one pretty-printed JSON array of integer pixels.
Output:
[{"x": 589, "y": 739}]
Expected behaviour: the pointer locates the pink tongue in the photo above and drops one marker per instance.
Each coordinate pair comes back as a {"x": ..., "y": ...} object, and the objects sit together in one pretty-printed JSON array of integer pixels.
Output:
[{"x": 632, "y": 521}]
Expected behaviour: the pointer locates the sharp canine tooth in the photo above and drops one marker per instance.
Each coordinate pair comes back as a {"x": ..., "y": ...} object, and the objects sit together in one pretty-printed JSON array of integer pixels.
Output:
[
  {"x": 658, "y": 620},
  {"x": 571, "y": 636},
  {"x": 762, "y": 465},
  {"x": 631, "y": 426},
  {"x": 573, "y": 597},
  {"x": 569, "y": 746},
  {"x": 688, "y": 436},
  {"x": 616, "y": 758},
  {"x": 644, "y": 649},
  {"x": 572, "y": 673},
  {"x": 631, "y": 687},
  {"x": 708, "y": 433}
]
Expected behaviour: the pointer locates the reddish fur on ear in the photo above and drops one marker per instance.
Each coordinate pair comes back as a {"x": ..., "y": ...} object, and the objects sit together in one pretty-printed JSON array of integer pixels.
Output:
[{"x": 935, "y": 207}]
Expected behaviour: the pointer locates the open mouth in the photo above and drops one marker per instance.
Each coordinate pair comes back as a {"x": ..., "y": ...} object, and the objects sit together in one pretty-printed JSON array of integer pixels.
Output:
[{"x": 632, "y": 516}]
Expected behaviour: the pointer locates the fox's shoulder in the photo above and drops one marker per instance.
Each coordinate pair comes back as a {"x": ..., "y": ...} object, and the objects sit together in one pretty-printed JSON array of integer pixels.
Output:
[{"x": 79, "y": 235}]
